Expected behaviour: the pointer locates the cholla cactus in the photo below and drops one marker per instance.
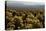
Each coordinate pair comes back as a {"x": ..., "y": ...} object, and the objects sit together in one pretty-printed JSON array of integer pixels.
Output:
[{"x": 23, "y": 19}]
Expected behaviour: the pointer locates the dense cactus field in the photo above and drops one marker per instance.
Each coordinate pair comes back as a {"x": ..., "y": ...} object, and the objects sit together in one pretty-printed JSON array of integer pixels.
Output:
[{"x": 24, "y": 18}]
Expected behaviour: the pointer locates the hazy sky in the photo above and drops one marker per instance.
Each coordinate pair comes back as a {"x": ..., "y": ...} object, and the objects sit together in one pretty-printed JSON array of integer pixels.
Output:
[{"x": 22, "y": 3}]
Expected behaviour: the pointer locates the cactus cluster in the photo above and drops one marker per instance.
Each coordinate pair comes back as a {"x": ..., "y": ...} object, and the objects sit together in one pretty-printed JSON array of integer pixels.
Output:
[{"x": 24, "y": 18}]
